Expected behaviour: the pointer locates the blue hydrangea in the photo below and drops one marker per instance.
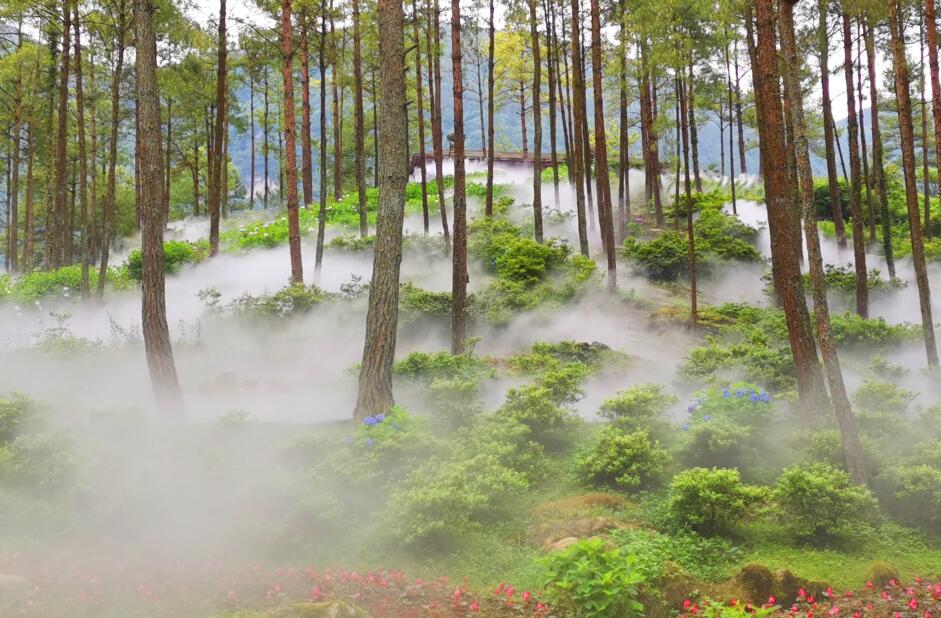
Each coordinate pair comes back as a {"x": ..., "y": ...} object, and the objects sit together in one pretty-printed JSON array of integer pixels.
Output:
[
  {"x": 726, "y": 393},
  {"x": 369, "y": 421},
  {"x": 692, "y": 407},
  {"x": 707, "y": 418},
  {"x": 765, "y": 397},
  {"x": 380, "y": 418},
  {"x": 685, "y": 426},
  {"x": 370, "y": 442},
  {"x": 754, "y": 397}
]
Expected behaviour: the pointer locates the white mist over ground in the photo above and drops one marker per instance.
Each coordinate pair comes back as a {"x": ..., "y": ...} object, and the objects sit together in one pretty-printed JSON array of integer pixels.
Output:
[{"x": 163, "y": 490}]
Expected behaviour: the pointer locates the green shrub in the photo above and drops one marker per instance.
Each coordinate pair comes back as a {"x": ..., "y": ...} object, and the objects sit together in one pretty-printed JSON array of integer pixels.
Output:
[
  {"x": 665, "y": 258},
  {"x": 15, "y": 412},
  {"x": 707, "y": 559},
  {"x": 622, "y": 460},
  {"x": 175, "y": 254},
  {"x": 819, "y": 502},
  {"x": 588, "y": 580},
  {"x": 843, "y": 279},
  {"x": 416, "y": 303},
  {"x": 914, "y": 495},
  {"x": 443, "y": 500},
  {"x": 537, "y": 408},
  {"x": 352, "y": 243},
  {"x": 850, "y": 329},
  {"x": 63, "y": 282},
  {"x": 709, "y": 501},
  {"x": 638, "y": 407},
  {"x": 291, "y": 300}
]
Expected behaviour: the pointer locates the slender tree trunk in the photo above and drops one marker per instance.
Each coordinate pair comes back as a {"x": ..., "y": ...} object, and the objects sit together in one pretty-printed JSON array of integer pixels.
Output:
[
  {"x": 419, "y": 100},
  {"x": 867, "y": 179},
  {"x": 215, "y": 178},
  {"x": 266, "y": 148},
  {"x": 902, "y": 84},
  {"x": 578, "y": 140},
  {"x": 823, "y": 51},
  {"x": 488, "y": 207},
  {"x": 459, "y": 256},
  {"x": 336, "y": 116},
  {"x": 28, "y": 231},
  {"x": 13, "y": 191},
  {"x": 195, "y": 179},
  {"x": 359, "y": 121},
  {"x": 601, "y": 148},
  {"x": 434, "y": 93},
  {"x": 693, "y": 130},
  {"x": 551, "y": 77},
  {"x": 731, "y": 105},
  {"x": 878, "y": 171},
  {"x": 322, "y": 66},
  {"x": 307, "y": 164},
  {"x": 154, "y": 310},
  {"x": 168, "y": 161},
  {"x": 375, "y": 376},
  {"x": 932, "y": 32},
  {"x": 842, "y": 408},
  {"x": 742, "y": 167},
  {"x": 690, "y": 237},
  {"x": 82, "y": 155},
  {"x": 624, "y": 155},
  {"x": 60, "y": 233},
  {"x": 859, "y": 231},
  {"x": 251, "y": 130},
  {"x": 926, "y": 184},
  {"x": 524, "y": 137},
  {"x": 110, "y": 198},
  {"x": 785, "y": 263},
  {"x": 290, "y": 155},
  {"x": 537, "y": 121}
]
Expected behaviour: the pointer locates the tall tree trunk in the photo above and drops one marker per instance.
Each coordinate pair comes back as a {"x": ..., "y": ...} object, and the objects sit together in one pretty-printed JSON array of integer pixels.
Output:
[
  {"x": 586, "y": 134},
  {"x": 195, "y": 179},
  {"x": 168, "y": 162},
  {"x": 731, "y": 105},
  {"x": 900, "y": 64},
  {"x": 82, "y": 155},
  {"x": 251, "y": 130},
  {"x": 878, "y": 171},
  {"x": 551, "y": 77},
  {"x": 624, "y": 163},
  {"x": 601, "y": 148},
  {"x": 28, "y": 205},
  {"x": 491, "y": 43},
  {"x": 823, "y": 51},
  {"x": 859, "y": 231},
  {"x": 459, "y": 255},
  {"x": 307, "y": 164},
  {"x": 60, "y": 233},
  {"x": 110, "y": 198},
  {"x": 215, "y": 177},
  {"x": 684, "y": 114},
  {"x": 524, "y": 137},
  {"x": 742, "y": 166},
  {"x": 359, "y": 121},
  {"x": 336, "y": 116},
  {"x": 693, "y": 130},
  {"x": 578, "y": 140},
  {"x": 419, "y": 101},
  {"x": 926, "y": 182},
  {"x": 785, "y": 263},
  {"x": 290, "y": 155},
  {"x": 434, "y": 93},
  {"x": 154, "y": 309},
  {"x": 867, "y": 179},
  {"x": 537, "y": 121},
  {"x": 266, "y": 148},
  {"x": 932, "y": 32},
  {"x": 849, "y": 433},
  {"x": 375, "y": 375},
  {"x": 13, "y": 190},
  {"x": 322, "y": 66}
]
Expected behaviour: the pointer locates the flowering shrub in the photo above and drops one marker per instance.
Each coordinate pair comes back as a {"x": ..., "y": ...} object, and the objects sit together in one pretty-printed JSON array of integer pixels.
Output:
[
  {"x": 819, "y": 502},
  {"x": 622, "y": 460},
  {"x": 709, "y": 501},
  {"x": 588, "y": 580}
]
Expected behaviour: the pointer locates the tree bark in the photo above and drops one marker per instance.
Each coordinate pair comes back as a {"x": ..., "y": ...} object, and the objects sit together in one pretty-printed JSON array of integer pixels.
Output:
[
  {"x": 215, "y": 177},
  {"x": 823, "y": 51},
  {"x": 693, "y": 129},
  {"x": 419, "y": 102},
  {"x": 785, "y": 263},
  {"x": 60, "y": 233},
  {"x": 551, "y": 78},
  {"x": 110, "y": 198},
  {"x": 266, "y": 148},
  {"x": 601, "y": 148},
  {"x": 924, "y": 128},
  {"x": 459, "y": 255},
  {"x": 932, "y": 33},
  {"x": 359, "y": 121},
  {"x": 578, "y": 140},
  {"x": 290, "y": 155},
  {"x": 685, "y": 113},
  {"x": 159, "y": 351},
  {"x": 488, "y": 206},
  {"x": 434, "y": 93},
  {"x": 82, "y": 155},
  {"x": 307, "y": 164},
  {"x": 859, "y": 231},
  {"x": 849, "y": 433},
  {"x": 900, "y": 64},
  {"x": 878, "y": 170},
  {"x": 336, "y": 116},
  {"x": 322, "y": 212},
  {"x": 375, "y": 376},
  {"x": 537, "y": 121}
]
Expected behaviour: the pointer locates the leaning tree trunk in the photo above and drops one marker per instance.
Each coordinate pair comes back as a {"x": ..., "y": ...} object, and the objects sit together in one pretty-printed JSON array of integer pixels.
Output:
[
  {"x": 900, "y": 64},
  {"x": 859, "y": 230},
  {"x": 459, "y": 257},
  {"x": 849, "y": 433},
  {"x": 290, "y": 156},
  {"x": 784, "y": 259},
  {"x": 154, "y": 308},
  {"x": 375, "y": 376}
]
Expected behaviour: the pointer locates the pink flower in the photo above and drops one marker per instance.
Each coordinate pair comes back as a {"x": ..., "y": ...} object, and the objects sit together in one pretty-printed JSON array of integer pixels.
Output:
[
  {"x": 687, "y": 603},
  {"x": 475, "y": 606},
  {"x": 913, "y": 603},
  {"x": 527, "y": 596}
]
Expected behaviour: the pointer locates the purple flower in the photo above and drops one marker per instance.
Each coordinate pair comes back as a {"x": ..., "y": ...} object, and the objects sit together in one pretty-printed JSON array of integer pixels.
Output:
[
  {"x": 369, "y": 421},
  {"x": 380, "y": 418},
  {"x": 707, "y": 418}
]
